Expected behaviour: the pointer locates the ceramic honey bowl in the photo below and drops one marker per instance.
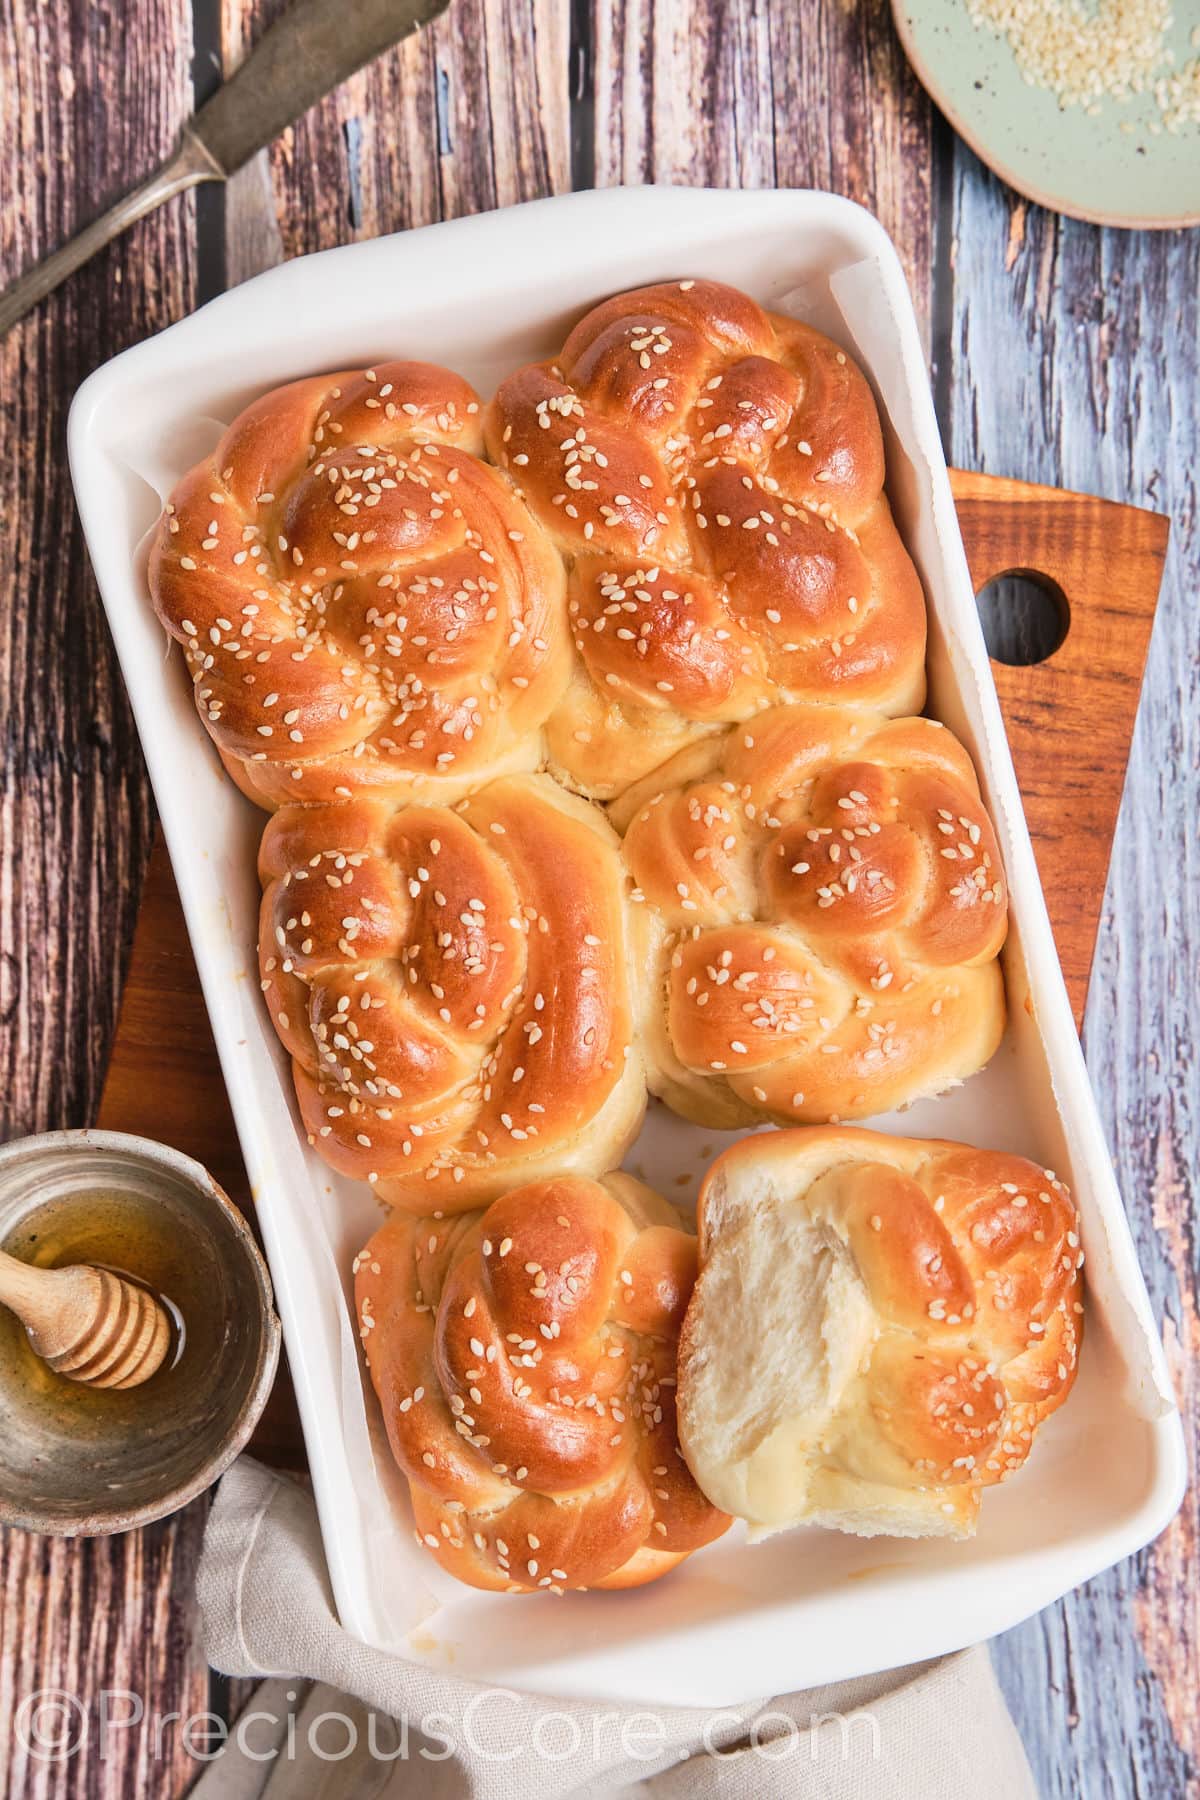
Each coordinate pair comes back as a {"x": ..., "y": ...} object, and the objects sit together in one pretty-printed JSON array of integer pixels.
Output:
[{"x": 85, "y": 1462}]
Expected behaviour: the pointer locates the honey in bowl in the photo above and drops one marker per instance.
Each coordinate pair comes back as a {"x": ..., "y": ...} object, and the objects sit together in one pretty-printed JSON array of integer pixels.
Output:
[
  {"x": 83, "y": 1461},
  {"x": 108, "y": 1230}
]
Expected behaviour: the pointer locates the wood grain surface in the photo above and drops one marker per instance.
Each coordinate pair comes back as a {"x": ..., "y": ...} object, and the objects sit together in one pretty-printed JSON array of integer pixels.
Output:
[
  {"x": 89, "y": 98},
  {"x": 1060, "y": 352},
  {"x": 1098, "y": 337},
  {"x": 1070, "y": 717}
]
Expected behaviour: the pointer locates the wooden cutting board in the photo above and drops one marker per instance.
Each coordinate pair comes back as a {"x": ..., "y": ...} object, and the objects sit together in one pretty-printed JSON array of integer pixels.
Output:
[{"x": 1070, "y": 720}]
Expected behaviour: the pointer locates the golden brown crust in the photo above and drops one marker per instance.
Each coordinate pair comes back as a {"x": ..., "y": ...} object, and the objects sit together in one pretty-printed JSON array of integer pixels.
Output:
[
  {"x": 831, "y": 905},
  {"x": 363, "y": 603},
  {"x": 713, "y": 475},
  {"x": 524, "y": 1359},
  {"x": 970, "y": 1263},
  {"x": 453, "y": 988}
]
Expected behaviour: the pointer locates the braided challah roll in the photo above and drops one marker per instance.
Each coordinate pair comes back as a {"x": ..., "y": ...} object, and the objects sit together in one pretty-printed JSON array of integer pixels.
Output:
[
  {"x": 363, "y": 603},
  {"x": 829, "y": 904},
  {"x": 453, "y": 987},
  {"x": 713, "y": 475},
  {"x": 524, "y": 1359},
  {"x": 879, "y": 1327}
]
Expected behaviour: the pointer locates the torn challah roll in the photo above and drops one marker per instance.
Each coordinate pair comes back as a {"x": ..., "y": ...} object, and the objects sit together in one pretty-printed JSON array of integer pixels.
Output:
[{"x": 879, "y": 1326}]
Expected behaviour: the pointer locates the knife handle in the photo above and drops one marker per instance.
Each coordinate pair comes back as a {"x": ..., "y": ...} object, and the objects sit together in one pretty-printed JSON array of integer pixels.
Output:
[{"x": 190, "y": 164}]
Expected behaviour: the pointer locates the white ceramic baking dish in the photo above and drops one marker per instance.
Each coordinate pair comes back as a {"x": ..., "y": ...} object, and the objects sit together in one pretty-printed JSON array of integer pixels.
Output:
[{"x": 482, "y": 295}]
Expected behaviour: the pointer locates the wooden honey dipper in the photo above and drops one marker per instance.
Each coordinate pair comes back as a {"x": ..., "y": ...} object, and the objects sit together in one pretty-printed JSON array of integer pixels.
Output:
[{"x": 87, "y": 1324}]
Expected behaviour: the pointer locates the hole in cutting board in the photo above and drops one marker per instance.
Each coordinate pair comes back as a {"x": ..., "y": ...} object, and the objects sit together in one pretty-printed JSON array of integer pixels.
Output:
[{"x": 1025, "y": 617}]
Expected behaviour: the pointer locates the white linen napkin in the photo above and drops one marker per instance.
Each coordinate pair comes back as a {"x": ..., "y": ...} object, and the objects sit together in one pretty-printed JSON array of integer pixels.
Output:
[{"x": 351, "y": 1723}]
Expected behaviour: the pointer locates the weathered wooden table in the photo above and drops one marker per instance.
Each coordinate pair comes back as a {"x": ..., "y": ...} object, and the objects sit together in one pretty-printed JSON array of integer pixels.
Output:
[{"x": 1059, "y": 352}]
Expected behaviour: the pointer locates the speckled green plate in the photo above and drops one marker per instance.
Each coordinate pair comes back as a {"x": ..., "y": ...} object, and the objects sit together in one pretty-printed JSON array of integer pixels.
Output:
[{"x": 1063, "y": 158}]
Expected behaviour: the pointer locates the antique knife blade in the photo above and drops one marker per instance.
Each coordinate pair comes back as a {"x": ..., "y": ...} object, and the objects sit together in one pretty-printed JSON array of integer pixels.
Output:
[{"x": 311, "y": 48}]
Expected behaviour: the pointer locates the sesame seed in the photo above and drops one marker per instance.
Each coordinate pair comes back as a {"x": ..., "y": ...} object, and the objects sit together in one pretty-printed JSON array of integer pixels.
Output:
[{"x": 1085, "y": 56}]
